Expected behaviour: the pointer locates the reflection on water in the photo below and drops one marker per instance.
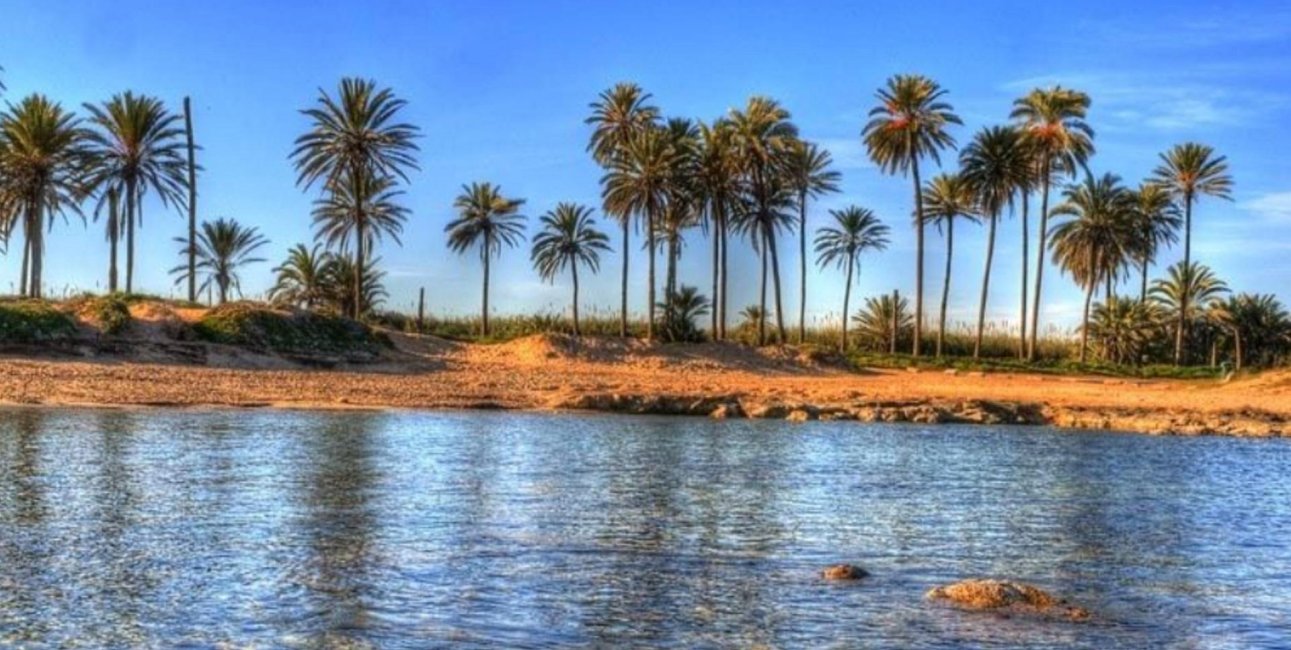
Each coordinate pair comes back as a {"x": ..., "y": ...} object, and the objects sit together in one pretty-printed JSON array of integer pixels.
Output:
[{"x": 123, "y": 528}]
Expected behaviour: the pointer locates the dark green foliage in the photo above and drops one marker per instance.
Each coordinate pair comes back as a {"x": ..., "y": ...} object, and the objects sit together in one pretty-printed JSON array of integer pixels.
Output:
[
  {"x": 32, "y": 321},
  {"x": 112, "y": 314},
  {"x": 286, "y": 331}
]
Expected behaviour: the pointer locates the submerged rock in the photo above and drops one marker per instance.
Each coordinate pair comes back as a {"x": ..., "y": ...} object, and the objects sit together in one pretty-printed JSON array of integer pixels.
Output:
[
  {"x": 843, "y": 572},
  {"x": 1006, "y": 595}
]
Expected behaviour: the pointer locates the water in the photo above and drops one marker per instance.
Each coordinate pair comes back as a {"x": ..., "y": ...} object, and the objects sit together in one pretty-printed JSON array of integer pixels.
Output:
[{"x": 264, "y": 528}]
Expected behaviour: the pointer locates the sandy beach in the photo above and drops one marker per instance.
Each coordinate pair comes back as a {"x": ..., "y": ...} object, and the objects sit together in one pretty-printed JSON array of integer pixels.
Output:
[{"x": 719, "y": 380}]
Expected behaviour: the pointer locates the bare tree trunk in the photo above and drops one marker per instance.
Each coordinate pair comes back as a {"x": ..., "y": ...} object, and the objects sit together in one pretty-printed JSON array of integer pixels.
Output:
[
  {"x": 574, "y": 270},
  {"x": 775, "y": 275},
  {"x": 192, "y": 203},
  {"x": 918, "y": 276},
  {"x": 1026, "y": 261},
  {"x": 114, "y": 234},
  {"x": 802, "y": 267},
  {"x": 1179, "y": 334},
  {"x": 1039, "y": 260},
  {"x": 945, "y": 285},
  {"x": 847, "y": 296},
  {"x": 623, "y": 315},
  {"x": 986, "y": 286}
]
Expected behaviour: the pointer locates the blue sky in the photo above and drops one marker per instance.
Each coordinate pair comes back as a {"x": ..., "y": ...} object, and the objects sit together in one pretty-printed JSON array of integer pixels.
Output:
[{"x": 500, "y": 91}]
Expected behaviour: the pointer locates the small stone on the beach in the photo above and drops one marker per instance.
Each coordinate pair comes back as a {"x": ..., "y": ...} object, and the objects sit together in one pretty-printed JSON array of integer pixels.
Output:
[{"x": 843, "y": 572}]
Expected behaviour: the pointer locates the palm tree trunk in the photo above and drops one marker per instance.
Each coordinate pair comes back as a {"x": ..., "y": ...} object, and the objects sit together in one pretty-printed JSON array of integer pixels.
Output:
[
  {"x": 847, "y": 296},
  {"x": 1026, "y": 261},
  {"x": 37, "y": 252},
  {"x": 1039, "y": 260},
  {"x": 721, "y": 321},
  {"x": 132, "y": 207},
  {"x": 484, "y": 309},
  {"x": 1084, "y": 329},
  {"x": 762, "y": 304},
  {"x": 623, "y": 315},
  {"x": 1237, "y": 351},
  {"x": 224, "y": 290},
  {"x": 574, "y": 270},
  {"x": 360, "y": 254},
  {"x": 192, "y": 203},
  {"x": 1143, "y": 292},
  {"x": 775, "y": 274},
  {"x": 918, "y": 275},
  {"x": 717, "y": 244},
  {"x": 24, "y": 280},
  {"x": 670, "y": 289},
  {"x": 802, "y": 267},
  {"x": 1187, "y": 274},
  {"x": 986, "y": 285},
  {"x": 651, "y": 248},
  {"x": 114, "y": 234},
  {"x": 945, "y": 284}
]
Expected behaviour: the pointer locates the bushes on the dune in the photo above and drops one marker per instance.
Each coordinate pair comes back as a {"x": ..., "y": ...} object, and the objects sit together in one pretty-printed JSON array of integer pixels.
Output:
[
  {"x": 32, "y": 321},
  {"x": 286, "y": 331}
]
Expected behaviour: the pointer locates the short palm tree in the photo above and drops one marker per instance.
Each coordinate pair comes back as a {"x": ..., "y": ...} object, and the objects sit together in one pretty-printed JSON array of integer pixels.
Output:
[
  {"x": 764, "y": 136},
  {"x": 487, "y": 219},
  {"x": 353, "y": 138},
  {"x": 43, "y": 159},
  {"x": 854, "y": 231},
  {"x": 946, "y": 199},
  {"x": 1185, "y": 292},
  {"x": 909, "y": 123},
  {"x": 139, "y": 147},
  {"x": 720, "y": 188},
  {"x": 338, "y": 285},
  {"x": 1258, "y": 325},
  {"x": 620, "y": 116},
  {"x": 301, "y": 279},
  {"x": 992, "y": 166},
  {"x": 1096, "y": 241},
  {"x": 1053, "y": 125},
  {"x": 808, "y": 174},
  {"x": 874, "y": 322},
  {"x": 1159, "y": 223},
  {"x": 1189, "y": 171},
  {"x": 637, "y": 185},
  {"x": 683, "y": 307},
  {"x": 223, "y": 246},
  {"x": 1125, "y": 328},
  {"x": 369, "y": 208},
  {"x": 568, "y": 238}
]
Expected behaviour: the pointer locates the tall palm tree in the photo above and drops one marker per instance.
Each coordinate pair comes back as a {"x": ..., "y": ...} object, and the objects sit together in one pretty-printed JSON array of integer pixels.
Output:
[
  {"x": 490, "y": 220},
  {"x": 992, "y": 166},
  {"x": 760, "y": 225},
  {"x": 855, "y": 230},
  {"x": 947, "y": 198},
  {"x": 808, "y": 173},
  {"x": 139, "y": 147},
  {"x": 909, "y": 123},
  {"x": 1097, "y": 240},
  {"x": 763, "y": 138},
  {"x": 1189, "y": 171},
  {"x": 302, "y": 278},
  {"x": 354, "y": 138},
  {"x": 1053, "y": 125},
  {"x": 682, "y": 206},
  {"x": 568, "y": 238},
  {"x": 619, "y": 116},
  {"x": 1186, "y": 291},
  {"x": 368, "y": 208},
  {"x": 223, "y": 246},
  {"x": 637, "y": 184},
  {"x": 42, "y": 169},
  {"x": 720, "y": 188},
  {"x": 1159, "y": 223}
]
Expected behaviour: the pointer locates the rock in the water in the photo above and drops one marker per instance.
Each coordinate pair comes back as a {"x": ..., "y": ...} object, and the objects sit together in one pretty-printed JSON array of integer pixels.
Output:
[
  {"x": 726, "y": 411},
  {"x": 802, "y": 414},
  {"x": 1006, "y": 595},
  {"x": 843, "y": 572}
]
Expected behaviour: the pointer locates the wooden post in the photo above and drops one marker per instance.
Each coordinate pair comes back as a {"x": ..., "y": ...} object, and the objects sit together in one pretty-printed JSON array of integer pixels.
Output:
[
  {"x": 421, "y": 309},
  {"x": 896, "y": 320}
]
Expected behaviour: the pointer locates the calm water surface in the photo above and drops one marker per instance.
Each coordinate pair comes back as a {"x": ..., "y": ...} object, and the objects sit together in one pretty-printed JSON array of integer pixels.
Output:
[{"x": 285, "y": 529}]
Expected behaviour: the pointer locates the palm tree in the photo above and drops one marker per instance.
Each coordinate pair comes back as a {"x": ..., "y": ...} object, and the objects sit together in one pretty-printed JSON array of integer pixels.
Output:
[
  {"x": 568, "y": 238},
  {"x": 42, "y": 164},
  {"x": 809, "y": 175},
  {"x": 992, "y": 166},
  {"x": 1259, "y": 325},
  {"x": 368, "y": 207},
  {"x": 682, "y": 206},
  {"x": 223, "y": 246},
  {"x": 139, "y": 147},
  {"x": 947, "y": 198},
  {"x": 338, "y": 285},
  {"x": 490, "y": 220},
  {"x": 637, "y": 184},
  {"x": 1125, "y": 328},
  {"x": 620, "y": 115},
  {"x": 855, "y": 231},
  {"x": 683, "y": 307},
  {"x": 763, "y": 138},
  {"x": 1053, "y": 125},
  {"x": 720, "y": 188},
  {"x": 1188, "y": 171},
  {"x": 1159, "y": 223},
  {"x": 354, "y": 138},
  {"x": 302, "y": 278},
  {"x": 874, "y": 322},
  {"x": 1097, "y": 240},
  {"x": 1185, "y": 293},
  {"x": 761, "y": 226},
  {"x": 909, "y": 123}
]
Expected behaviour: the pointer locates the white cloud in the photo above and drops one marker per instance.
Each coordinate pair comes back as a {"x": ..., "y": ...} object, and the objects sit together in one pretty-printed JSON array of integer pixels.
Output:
[
  {"x": 1273, "y": 206},
  {"x": 849, "y": 154}
]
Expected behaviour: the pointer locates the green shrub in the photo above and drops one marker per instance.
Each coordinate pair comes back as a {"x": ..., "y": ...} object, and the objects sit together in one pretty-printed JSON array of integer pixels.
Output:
[
  {"x": 112, "y": 313},
  {"x": 292, "y": 332},
  {"x": 31, "y": 321}
]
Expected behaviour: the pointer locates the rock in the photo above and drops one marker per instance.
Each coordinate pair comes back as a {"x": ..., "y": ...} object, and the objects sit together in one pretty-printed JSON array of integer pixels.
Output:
[
  {"x": 843, "y": 572},
  {"x": 769, "y": 411},
  {"x": 726, "y": 411},
  {"x": 952, "y": 372},
  {"x": 983, "y": 595},
  {"x": 802, "y": 414}
]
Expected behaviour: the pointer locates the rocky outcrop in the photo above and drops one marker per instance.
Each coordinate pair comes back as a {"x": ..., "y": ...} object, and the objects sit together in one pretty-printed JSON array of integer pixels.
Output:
[
  {"x": 1003, "y": 595},
  {"x": 843, "y": 572}
]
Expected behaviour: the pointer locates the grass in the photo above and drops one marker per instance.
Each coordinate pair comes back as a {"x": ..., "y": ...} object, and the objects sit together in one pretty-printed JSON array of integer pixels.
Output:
[
  {"x": 295, "y": 332},
  {"x": 33, "y": 321}
]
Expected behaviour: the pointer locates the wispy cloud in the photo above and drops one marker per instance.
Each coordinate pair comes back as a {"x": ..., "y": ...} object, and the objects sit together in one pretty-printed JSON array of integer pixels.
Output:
[
  {"x": 849, "y": 154},
  {"x": 1273, "y": 206}
]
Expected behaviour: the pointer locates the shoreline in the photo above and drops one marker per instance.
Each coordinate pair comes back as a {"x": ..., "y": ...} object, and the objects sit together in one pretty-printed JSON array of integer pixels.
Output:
[{"x": 555, "y": 373}]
